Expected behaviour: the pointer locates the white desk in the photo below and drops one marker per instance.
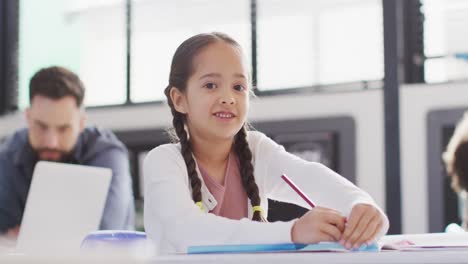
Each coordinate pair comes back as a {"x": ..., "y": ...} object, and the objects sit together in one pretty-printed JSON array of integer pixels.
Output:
[
  {"x": 450, "y": 257},
  {"x": 115, "y": 257},
  {"x": 310, "y": 258}
]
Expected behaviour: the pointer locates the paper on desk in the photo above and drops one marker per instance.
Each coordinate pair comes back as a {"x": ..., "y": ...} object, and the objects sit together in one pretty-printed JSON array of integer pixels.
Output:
[{"x": 431, "y": 241}]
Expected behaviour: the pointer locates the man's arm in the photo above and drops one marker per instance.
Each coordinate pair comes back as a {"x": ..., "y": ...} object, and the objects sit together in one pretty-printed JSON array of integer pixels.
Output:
[
  {"x": 119, "y": 209},
  {"x": 10, "y": 209}
]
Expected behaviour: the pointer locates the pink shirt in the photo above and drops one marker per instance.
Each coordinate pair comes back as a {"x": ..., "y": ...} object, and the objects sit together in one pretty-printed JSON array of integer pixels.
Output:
[{"x": 231, "y": 197}]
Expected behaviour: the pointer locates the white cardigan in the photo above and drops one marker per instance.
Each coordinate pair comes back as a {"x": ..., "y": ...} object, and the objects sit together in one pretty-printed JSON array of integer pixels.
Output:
[{"x": 174, "y": 222}]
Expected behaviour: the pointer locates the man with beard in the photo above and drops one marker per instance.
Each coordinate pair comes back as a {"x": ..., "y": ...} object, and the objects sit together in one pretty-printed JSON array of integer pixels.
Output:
[{"x": 56, "y": 132}]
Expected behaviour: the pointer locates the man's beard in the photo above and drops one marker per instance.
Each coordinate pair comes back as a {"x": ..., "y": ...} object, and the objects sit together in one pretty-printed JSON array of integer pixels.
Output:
[{"x": 62, "y": 156}]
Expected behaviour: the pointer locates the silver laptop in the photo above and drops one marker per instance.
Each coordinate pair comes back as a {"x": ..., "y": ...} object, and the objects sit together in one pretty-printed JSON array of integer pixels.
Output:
[{"x": 65, "y": 203}]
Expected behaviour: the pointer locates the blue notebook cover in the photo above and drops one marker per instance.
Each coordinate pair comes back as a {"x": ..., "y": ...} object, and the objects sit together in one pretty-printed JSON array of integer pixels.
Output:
[{"x": 286, "y": 247}]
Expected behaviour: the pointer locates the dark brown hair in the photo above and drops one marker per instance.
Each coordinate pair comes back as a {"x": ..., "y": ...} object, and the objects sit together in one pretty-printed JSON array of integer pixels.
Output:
[
  {"x": 459, "y": 171},
  {"x": 181, "y": 70},
  {"x": 56, "y": 83}
]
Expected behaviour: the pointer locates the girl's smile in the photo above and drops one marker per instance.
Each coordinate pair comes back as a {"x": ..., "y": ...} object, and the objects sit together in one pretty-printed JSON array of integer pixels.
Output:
[{"x": 224, "y": 116}]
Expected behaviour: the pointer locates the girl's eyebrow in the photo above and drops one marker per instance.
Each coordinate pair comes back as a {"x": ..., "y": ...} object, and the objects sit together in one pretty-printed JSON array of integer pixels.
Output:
[
  {"x": 239, "y": 75},
  {"x": 215, "y": 75},
  {"x": 218, "y": 75}
]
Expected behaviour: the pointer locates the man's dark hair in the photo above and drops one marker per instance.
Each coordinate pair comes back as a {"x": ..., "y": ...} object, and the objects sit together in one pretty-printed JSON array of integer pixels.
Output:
[{"x": 56, "y": 83}]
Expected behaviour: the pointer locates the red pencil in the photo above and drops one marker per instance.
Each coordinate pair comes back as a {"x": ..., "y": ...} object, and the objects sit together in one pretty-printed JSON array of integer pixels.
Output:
[{"x": 298, "y": 190}]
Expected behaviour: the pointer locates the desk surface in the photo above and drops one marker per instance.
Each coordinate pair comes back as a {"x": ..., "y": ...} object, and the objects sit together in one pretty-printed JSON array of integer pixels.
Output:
[
  {"x": 455, "y": 256},
  {"x": 130, "y": 256},
  {"x": 262, "y": 258}
]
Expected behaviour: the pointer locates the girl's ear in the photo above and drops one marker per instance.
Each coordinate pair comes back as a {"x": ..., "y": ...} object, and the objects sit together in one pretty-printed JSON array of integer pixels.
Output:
[{"x": 179, "y": 100}]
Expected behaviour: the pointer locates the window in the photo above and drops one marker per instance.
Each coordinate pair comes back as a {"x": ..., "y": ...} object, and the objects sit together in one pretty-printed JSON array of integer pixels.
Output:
[
  {"x": 445, "y": 44},
  {"x": 304, "y": 43},
  {"x": 300, "y": 43},
  {"x": 88, "y": 37},
  {"x": 159, "y": 27}
]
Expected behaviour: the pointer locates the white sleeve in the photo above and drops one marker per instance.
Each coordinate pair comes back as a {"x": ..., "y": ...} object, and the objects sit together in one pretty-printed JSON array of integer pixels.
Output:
[
  {"x": 172, "y": 217},
  {"x": 325, "y": 187}
]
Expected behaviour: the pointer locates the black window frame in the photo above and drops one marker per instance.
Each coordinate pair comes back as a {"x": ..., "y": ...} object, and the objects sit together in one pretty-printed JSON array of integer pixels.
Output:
[{"x": 9, "y": 23}]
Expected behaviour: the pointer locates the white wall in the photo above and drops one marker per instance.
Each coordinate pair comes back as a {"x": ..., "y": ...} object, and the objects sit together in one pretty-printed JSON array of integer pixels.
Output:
[{"x": 367, "y": 109}]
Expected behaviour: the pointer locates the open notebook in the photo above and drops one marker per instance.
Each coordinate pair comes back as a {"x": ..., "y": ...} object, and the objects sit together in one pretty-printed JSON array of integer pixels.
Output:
[
  {"x": 407, "y": 242},
  {"x": 286, "y": 247},
  {"x": 425, "y": 242}
]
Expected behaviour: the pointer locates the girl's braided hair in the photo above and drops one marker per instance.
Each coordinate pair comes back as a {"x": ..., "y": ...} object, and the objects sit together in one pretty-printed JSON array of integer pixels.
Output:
[{"x": 181, "y": 70}]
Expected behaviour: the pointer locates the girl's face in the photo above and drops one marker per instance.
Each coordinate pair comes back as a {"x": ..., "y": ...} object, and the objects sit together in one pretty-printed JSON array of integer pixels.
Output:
[{"x": 217, "y": 96}]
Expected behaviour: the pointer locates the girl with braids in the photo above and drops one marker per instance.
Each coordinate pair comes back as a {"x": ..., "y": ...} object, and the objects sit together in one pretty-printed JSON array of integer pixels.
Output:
[{"x": 211, "y": 187}]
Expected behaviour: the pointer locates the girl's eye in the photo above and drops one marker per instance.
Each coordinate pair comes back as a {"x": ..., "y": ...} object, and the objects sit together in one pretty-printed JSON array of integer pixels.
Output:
[
  {"x": 210, "y": 85},
  {"x": 239, "y": 87}
]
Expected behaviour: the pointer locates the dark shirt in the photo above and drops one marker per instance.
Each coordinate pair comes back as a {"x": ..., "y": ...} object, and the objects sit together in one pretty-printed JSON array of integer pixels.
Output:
[{"x": 95, "y": 147}]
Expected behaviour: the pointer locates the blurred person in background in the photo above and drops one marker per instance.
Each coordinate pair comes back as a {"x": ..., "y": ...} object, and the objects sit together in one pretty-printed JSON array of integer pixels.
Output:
[
  {"x": 455, "y": 158},
  {"x": 56, "y": 132}
]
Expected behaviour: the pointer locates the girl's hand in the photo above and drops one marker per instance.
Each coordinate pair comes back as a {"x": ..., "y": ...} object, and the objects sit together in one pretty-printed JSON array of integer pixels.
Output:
[
  {"x": 319, "y": 224},
  {"x": 364, "y": 223}
]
